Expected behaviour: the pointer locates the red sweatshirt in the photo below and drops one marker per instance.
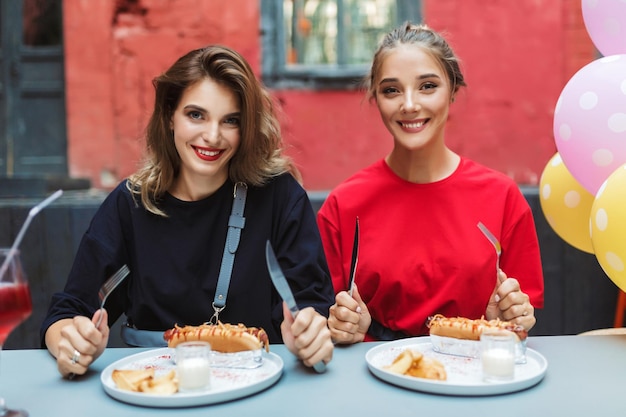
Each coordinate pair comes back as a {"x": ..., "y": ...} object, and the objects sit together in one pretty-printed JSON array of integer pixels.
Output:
[{"x": 420, "y": 251}]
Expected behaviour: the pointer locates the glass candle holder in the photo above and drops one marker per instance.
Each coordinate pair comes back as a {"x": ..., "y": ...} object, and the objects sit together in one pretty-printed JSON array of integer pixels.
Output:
[
  {"x": 498, "y": 356},
  {"x": 193, "y": 365}
]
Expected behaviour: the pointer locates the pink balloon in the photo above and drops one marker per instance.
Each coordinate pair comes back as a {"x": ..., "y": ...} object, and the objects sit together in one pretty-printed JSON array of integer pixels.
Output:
[
  {"x": 605, "y": 21},
  {"x": 590, "y": 121}
]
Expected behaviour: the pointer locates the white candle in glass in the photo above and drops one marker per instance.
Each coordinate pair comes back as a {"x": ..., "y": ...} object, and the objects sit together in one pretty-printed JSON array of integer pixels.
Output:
[
  {"x": 498, "y": 356},
  {"x": 498, "y": 362},
  {"x": 193, "y": 373},
  {"x": 193, "y": 366}
]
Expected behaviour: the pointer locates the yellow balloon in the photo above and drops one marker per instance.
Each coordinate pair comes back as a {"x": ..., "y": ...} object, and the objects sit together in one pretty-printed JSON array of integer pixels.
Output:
[
  {"x": 608, "y": 226},
  {"x": 566, "y": 204}
]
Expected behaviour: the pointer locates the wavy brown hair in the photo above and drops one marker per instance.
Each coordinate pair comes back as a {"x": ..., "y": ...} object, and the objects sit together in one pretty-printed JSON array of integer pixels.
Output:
[{"x": 260, "y": 154}]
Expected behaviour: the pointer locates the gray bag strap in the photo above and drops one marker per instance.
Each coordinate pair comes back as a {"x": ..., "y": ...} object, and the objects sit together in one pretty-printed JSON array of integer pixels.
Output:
[
  {"x": 141, "y": 338},
  {"x": 236, "y": 223},
  {"x": 146, "y": 338}
]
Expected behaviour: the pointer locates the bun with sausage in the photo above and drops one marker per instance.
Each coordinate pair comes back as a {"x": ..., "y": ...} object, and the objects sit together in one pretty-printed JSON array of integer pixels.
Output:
[
  {"x": 223, "y": 337},
  {"x": 468, "y": 329}
]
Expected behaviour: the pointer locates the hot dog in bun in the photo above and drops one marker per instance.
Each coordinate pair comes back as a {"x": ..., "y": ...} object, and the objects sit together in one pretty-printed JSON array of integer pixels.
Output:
[
  {"x": 223, "y": 337},
  {"x": 464, "y": 328}
]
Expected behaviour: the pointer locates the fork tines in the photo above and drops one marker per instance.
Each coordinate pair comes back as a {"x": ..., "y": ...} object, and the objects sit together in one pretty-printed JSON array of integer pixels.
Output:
[
  {"x": 113, "y": 282},
  {"x": 109, "y": 285}
]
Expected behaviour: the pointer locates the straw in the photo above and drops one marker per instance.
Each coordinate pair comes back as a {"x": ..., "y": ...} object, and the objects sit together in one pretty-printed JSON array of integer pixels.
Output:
[{"x": 32, "y": 213}]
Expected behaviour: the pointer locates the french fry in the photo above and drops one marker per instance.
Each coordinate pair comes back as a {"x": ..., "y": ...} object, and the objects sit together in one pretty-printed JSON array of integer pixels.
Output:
[
  {"x": 130, "y": 379},
  {"x": 404, "y": 361},
  {"x": 413, "y": 363},
  {"x": 144, "y": 380},
  {"x": 428, "y": 368},
  {"x": 164, "y": 385}
]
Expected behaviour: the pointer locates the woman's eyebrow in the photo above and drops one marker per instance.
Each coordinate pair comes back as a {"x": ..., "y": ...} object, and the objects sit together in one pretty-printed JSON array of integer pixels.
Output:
[
  {"x": 388, "y": 80},
  {"x": 195, "y": 107},
  {"x": 424, "y": 76},
  {"x": 420, "y": 77}
]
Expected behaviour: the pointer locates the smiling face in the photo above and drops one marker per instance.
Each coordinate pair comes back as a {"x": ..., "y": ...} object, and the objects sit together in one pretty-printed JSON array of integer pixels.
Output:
[
  {"x": 413, "y": 95},
  {"x": 206, "y": 127}
]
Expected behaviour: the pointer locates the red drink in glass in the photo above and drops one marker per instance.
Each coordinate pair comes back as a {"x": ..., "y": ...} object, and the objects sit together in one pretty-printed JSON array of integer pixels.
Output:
[
  {"x": 15, "y": 301},
  {"x": 15, "y": 307}
]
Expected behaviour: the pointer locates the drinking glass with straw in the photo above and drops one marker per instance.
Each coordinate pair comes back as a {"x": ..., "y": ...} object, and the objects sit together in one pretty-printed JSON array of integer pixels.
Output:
[
  {"x": 15, "y": 299},
  {"x": 32, "y": 213}
]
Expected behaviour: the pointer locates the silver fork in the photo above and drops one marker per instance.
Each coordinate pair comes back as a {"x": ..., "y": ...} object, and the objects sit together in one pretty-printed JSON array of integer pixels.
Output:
[
  {"x": 108, "y": 287},
  {"x": 496, "y": 244}
]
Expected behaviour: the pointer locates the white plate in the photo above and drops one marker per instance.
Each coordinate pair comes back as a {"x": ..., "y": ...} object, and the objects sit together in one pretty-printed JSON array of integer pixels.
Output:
[
  {"x": 464, "y": 374},
  {"x": 226, "y": 383}
]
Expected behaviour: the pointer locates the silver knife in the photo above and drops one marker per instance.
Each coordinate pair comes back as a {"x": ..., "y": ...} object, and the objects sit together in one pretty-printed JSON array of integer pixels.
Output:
[
  {"x": 355, "y": 257},
  {"x": 281, "y": 285}
]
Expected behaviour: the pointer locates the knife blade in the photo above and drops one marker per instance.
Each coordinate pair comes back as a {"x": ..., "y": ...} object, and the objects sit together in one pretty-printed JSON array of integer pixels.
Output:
[
  {"x": 282, "y": 286},
  {"x": 355, "y": 256}
]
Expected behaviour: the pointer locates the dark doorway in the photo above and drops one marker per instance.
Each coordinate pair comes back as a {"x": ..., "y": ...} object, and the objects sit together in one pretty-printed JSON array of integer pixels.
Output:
[{"x": 33, "y": 141}]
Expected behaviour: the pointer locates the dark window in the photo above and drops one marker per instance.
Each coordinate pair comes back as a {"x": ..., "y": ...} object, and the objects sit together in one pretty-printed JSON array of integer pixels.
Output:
[
  {"x": 42, "y": 23},
  {"x": 320, "y": 44}
]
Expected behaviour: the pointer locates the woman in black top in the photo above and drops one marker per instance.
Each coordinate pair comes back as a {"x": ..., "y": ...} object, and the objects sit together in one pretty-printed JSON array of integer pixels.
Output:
[{"x": 212, "y": 127}]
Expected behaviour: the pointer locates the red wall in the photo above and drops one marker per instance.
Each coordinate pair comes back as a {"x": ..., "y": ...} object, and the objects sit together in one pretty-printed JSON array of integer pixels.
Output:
[{"x": 516, "y": 55}]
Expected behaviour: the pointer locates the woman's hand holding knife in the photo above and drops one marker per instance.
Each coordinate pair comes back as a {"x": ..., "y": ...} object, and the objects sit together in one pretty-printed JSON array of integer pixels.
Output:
[{"x": 349, "y": 317}]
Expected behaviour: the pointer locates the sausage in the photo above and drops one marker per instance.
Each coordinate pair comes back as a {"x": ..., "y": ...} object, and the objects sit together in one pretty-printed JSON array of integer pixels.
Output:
[
  {"x": 464, "y": 328},
  {"x": 222, "y": 337}
]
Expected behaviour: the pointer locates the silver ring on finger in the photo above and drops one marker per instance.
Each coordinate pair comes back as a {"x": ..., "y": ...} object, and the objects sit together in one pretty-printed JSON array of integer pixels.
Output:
[{"x": 75, "y": 357}]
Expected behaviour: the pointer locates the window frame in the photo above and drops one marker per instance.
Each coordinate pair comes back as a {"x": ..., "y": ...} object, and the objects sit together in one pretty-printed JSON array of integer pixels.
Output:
[{"x": 278, "y": 75}]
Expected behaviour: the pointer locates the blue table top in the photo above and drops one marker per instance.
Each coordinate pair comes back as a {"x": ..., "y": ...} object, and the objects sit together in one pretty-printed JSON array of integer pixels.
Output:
[{"x": 586, "y": 376}]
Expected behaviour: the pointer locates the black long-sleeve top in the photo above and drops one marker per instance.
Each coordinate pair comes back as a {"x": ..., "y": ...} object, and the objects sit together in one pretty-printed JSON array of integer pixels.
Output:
[{"x": 175, "y": 261}]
